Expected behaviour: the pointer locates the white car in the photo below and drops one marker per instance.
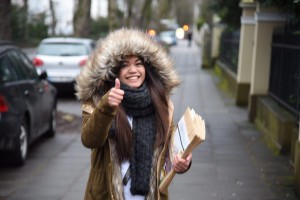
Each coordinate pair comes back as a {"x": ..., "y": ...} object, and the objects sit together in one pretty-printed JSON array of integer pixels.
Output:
[
  {"x": 168, "y": 37},
  {"x": 62, "y": 58}
]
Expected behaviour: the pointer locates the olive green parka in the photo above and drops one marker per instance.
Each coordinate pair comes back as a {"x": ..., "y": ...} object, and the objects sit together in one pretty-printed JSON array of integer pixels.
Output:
[{"x": 105, "y": 180}]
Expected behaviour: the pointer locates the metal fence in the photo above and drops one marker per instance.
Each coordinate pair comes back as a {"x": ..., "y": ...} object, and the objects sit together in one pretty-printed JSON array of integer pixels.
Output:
[
  {"x": 229, "y": 49},
  {"x": 285, "y": 68}
]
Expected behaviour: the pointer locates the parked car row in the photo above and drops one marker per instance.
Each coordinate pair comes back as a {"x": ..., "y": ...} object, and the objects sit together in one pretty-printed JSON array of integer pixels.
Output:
[
  {"x": 28, "y": 90},
  {"x": 27, "y": 104}
]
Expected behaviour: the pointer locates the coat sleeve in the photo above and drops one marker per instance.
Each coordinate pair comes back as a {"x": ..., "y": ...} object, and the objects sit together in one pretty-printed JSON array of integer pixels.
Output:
[{"x": 96, "y": 122}]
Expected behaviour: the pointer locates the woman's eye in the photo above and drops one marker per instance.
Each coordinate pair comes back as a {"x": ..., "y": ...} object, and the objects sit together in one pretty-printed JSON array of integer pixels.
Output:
[{"x": 139, "y": 64}]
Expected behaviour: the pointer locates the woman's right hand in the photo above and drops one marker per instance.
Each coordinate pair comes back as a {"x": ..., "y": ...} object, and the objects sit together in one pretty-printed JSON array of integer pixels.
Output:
[{"x": 115, "y": 95}]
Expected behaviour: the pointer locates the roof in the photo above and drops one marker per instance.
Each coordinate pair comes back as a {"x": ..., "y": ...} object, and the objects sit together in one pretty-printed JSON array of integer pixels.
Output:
[
  {"x": 67, "y": 39},
  {"x": 5, "y": 45}
]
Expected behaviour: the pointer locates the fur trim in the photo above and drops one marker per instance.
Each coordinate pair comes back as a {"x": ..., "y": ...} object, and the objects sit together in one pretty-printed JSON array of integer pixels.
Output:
[
  {"x": 116, "y": 173},
  {"x": 102, "y": 63}
]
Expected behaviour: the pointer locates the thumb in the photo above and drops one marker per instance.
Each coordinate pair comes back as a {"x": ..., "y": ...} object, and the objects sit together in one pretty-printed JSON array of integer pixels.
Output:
[
  {"x": 189, "y": 157},
  {"x": 117, "y": 83}
]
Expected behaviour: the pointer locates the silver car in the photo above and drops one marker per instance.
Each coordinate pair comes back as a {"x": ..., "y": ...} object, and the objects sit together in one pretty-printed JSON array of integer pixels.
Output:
[
  {"x": 168, "y": 37},
  {"x": 62, "y": 59}
]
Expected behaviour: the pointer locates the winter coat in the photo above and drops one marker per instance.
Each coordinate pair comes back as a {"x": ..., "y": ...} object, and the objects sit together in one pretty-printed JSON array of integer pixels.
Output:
[{"x": 105, "y": 181}]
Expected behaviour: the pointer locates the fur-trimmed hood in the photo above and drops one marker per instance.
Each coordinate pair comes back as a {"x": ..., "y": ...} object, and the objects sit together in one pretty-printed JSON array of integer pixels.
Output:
[{"x": 102, "y": 64}]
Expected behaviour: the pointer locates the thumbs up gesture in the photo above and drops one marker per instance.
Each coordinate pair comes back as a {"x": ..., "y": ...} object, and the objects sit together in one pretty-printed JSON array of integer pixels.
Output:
[{"x": 115, "y": 95}]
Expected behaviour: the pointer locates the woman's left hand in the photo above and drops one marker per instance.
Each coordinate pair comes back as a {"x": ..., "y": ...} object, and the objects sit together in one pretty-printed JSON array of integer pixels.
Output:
[{"x": 181, "y": 165}]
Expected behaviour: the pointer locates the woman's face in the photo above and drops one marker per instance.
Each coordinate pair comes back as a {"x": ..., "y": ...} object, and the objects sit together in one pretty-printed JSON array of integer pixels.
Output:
[{"x": 132, "y": 72}]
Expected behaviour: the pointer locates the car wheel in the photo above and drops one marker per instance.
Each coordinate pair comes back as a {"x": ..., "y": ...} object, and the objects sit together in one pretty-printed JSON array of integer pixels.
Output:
[
  {"x": 21, "y": 150},
  {"x": 52, "y": 130}
]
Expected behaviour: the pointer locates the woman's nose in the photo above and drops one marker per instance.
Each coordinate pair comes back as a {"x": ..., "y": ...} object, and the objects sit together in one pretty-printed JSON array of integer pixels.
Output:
[{"x": 132, "y": 68}]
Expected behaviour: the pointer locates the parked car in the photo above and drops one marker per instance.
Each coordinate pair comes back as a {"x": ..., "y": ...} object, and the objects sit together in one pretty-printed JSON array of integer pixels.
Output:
[
  {"x": 63, "y": 59},
  {"x": 168, "y": 37},
  {"x": 27, "y": 104},
  {"x": 158, "y": 40}
]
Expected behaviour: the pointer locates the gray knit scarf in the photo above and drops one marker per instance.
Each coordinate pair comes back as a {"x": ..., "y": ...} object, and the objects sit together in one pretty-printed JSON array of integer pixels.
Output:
[{"x": 138, "y": 104}]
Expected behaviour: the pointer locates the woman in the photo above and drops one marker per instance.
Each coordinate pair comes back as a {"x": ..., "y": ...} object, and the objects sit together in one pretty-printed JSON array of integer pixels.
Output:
[{"x": 127, "y": 116}]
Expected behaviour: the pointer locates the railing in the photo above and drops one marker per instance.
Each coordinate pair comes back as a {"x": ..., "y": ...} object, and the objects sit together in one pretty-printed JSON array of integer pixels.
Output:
[
  {"x": 285, "y": 69},
  {"x": 229, "y": 49}
]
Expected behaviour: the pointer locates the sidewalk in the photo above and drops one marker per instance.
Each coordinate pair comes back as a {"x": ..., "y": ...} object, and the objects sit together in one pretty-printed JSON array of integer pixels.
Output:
[{"x": 234, "y": 162}]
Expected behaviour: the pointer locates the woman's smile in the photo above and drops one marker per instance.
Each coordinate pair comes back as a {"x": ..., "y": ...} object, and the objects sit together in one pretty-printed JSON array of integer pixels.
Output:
[{"x": 133, "y": 77}]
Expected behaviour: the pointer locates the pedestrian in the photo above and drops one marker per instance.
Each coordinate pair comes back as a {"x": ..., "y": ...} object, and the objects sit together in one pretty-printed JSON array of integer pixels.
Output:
[
  {"x": 189, "y": 37},
  {"x": 125, "y": 90}
]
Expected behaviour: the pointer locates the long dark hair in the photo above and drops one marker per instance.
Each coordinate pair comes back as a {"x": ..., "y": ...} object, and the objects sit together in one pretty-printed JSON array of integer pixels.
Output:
[{"x": 123, "y": 134}]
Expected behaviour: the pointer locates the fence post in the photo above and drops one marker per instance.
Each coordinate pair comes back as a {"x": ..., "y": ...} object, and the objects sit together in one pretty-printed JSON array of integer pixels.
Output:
[
  {"x": 245, "y": 53},
  {"x": 266, "y": 19},
  {"x": 217, "y": 30}
]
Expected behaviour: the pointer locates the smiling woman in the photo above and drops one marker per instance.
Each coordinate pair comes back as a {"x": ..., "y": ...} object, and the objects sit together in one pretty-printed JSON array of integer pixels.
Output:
[{"x": 127, "y": 116}]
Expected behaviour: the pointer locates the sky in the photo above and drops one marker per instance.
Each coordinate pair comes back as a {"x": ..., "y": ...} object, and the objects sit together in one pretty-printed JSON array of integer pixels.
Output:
[{"x": 64, "y": 11}]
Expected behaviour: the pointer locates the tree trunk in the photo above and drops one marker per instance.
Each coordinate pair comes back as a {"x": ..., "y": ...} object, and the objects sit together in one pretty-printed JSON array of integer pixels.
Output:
[
  {"x": 5, "y": 19},
  {"x": 25, "y": 20},
  {"x": 146, "y": 14},
  {"x": 164, "y": 9},
  {"x": 129, "y": 16},
  {"x": 112, "y": 14},
  {"x": 53, "y": 18},
  {"x": 184, "y": 10},
  {"x": 82, "y": 18}
]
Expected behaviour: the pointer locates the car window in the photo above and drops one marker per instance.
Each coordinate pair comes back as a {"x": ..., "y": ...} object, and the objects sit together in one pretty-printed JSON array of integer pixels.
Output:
[
  {"x": 16, "y": 63},
  {"x": 31, "y": 71},
  {"x": 22, "y": 70},
  {"x": 7, "y": 73},
  {"x": 168, "y": 33},
  {"x": 62, "y": 49}
]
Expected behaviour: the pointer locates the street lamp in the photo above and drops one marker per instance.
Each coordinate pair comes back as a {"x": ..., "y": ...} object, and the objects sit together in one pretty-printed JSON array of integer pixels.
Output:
[{"x": 185, "y": 27}]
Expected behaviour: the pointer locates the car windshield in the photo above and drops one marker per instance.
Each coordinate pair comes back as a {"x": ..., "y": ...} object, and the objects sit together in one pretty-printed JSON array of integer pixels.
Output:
[
  {"x": 167, "y": 33},
  {"x": 62, "y": 49}
]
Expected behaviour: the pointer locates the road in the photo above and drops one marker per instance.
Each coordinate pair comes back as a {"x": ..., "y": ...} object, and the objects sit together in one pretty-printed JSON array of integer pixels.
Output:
[{"x": 233, "y": 163}]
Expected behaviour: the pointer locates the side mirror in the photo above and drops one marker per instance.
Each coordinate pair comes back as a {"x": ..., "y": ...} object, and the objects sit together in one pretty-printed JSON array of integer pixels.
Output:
[{"x": 43, "y": 75}]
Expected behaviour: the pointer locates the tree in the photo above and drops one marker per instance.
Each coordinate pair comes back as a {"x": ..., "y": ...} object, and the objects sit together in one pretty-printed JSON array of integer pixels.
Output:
[
  {"x": 165, "y": 9},
  {"x": 112, "y": 14},
  {"x": 138, "y": 13},
  {"x": 146, "y": 14},
  {"x": 53, "y": 17},
  {"x": 229, "y": 11},
  {"x": 99, "y": 27},
  {"x": 206, "y": 13},
  {"x": 5, "y": 28},
  {"x": 184, "y": 11},
  {"x": 128, "y": 12},
  {"x": 289, "y": 6},
  {"x": 25, "y": 19},
  {"x": 82, "y": 18},
  {"x": 38, "y": 28}
]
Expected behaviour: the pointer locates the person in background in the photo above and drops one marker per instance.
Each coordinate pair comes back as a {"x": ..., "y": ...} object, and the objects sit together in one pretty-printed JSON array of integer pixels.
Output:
[
  {"x": 125, "y": 91},
  {"x": 189, "y": 37}
]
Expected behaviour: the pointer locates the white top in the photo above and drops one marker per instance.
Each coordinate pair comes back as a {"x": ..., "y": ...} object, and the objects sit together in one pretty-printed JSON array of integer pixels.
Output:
[{"x": 124, "y": 167}]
